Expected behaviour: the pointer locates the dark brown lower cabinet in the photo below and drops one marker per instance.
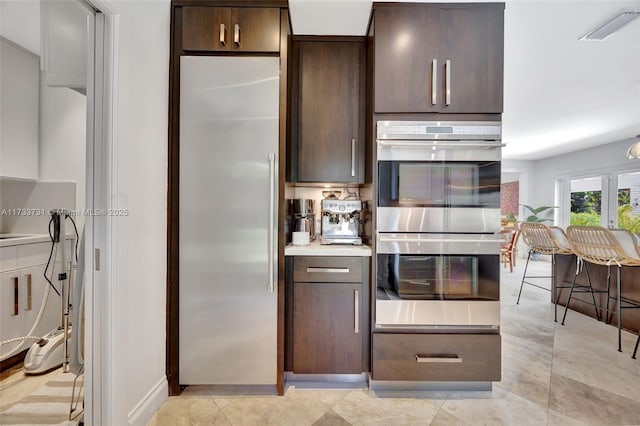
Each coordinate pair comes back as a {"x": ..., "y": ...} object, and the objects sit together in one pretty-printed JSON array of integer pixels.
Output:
[
  {"x": 327, "y": 333},
  {"x": 436, "y": 357},
  {"x": 327, "y": 315}
]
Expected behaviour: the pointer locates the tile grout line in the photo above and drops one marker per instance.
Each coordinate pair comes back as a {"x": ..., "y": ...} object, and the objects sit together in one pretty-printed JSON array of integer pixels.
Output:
[
  {"x": 553, "y": 344},
  {"x": 220, "y": 409}
]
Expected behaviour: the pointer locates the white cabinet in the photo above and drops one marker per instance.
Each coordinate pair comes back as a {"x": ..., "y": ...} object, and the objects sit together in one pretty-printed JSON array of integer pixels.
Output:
[
  {"x": 19, "y": 111},
  {"x": 64, "y": 35},
  {"x": 10, "y": 318},
  {"x": 22, "y": 290}
]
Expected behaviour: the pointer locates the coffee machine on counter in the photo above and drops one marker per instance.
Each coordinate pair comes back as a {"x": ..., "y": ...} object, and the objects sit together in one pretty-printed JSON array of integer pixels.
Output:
[
  {"x": 303, "y": 217},
  {"x": 341, "y": 221}
]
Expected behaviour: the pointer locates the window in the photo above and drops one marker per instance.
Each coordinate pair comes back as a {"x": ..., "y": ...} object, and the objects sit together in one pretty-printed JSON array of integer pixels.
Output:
[
  {"x": 628, "y": 206},
  {"x": 592, "y": 204},
  {"x": 586, "y": 201}
]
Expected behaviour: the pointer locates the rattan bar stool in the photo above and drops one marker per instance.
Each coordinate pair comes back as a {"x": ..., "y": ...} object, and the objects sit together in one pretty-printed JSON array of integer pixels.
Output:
[
  {"x": 550, "y": 241},
  {"x": 603, "y": 246}
]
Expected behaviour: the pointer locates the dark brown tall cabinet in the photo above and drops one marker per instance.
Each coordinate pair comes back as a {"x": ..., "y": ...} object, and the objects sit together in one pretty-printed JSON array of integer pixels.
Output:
[
  {"x": 327, "y": 111},
  {"x": 438, "y": 58}
]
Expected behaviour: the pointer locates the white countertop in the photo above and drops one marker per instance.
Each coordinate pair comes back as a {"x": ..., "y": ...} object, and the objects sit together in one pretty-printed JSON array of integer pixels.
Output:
[
  {"x": 317, "y": 249},
  {"x": 19, "y": 239}
]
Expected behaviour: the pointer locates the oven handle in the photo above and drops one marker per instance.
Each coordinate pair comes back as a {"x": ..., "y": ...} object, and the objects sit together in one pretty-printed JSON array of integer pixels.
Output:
[
  {"x": 437, "y": 144},
  {"x": 436, "y": 240}
]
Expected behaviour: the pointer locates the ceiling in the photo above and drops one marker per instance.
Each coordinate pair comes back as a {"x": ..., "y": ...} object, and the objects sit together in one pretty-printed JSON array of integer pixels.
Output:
[{"x": 560, "y": 94}]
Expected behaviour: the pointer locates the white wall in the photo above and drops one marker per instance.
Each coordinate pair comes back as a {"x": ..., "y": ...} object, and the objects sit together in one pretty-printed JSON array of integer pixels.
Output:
[
  {"x": 588, "y": 162},
  {"x": 140, "y": 185},
  {"x": 63, "y": 140},
  {"x": 538, "y": 178}
]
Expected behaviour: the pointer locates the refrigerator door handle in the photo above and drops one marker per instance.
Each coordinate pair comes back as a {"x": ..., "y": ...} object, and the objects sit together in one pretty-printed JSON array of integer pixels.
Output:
[{"x": 273, "y": 193}]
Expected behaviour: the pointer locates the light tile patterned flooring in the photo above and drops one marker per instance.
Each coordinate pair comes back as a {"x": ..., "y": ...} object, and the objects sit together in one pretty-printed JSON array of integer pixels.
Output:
[{"x": 551, "y": 375}]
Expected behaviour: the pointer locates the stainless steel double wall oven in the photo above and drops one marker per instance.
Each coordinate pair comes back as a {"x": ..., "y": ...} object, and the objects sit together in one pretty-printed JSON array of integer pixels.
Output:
[{"x": 438, "y": 225}]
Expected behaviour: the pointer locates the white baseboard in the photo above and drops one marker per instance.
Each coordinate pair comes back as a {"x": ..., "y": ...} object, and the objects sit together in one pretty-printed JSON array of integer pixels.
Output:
[{"x": 149, "y": 404}]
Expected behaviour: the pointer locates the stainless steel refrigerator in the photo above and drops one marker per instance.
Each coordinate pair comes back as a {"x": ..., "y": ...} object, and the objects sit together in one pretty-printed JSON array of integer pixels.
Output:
[{"x": 228, "y": 219}]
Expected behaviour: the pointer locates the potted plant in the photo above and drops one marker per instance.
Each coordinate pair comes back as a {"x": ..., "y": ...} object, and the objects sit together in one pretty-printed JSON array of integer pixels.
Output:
[{"x": 535, "y": 213}]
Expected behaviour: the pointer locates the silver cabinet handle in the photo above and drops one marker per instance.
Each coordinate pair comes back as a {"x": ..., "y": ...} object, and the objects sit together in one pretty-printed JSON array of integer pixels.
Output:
[
  {"x": 356, "y": 310},
  {"x": 236, "y": 35},
  {"x": 447, "y": 81},
  {"x": 329, "y": 270},
  {"x": 434, "y": 81},
  {"x": 453, "y": 359},
  {"x": 29, "y": 293},
  {"x": 353, "y": 157},
  {"x": 16, "y": 297},
  {"x": 272, "y": 240},
  {"x": 223, "y": 34}
]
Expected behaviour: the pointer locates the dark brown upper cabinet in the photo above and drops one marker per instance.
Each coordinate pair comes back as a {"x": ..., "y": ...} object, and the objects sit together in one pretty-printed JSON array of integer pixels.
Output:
[
  {"x": 327, "y": 111},
  {"x": 438, "y": 58},
  {"x": 226, "y": 29}
]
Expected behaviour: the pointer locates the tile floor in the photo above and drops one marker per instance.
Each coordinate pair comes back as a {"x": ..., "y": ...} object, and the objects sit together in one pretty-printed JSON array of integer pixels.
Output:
[{"x": 551, "y": 375}]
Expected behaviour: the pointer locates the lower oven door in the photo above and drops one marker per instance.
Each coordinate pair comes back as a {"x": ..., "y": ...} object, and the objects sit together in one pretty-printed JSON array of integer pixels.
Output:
[{"x": 437, "y": 280}]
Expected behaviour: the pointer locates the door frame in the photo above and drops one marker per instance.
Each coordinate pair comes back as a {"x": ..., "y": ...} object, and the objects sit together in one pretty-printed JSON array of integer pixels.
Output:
[{"x": 100, "y": 229}]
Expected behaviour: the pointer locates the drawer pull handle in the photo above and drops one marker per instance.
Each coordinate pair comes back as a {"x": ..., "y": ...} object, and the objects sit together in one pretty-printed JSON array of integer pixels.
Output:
[
  {"x": 16, "y": 297},
  {"x": 455, "y": 359},
  {"x": 447, "y": 77},
  {"x": 329, "y": 270},
  {"x": 236, "y": 35},
  {"x": 434, "y": 81},
  {"x": 223, "y": 35},
  {"x": 356, "y": 310},
  {"x": 29, "y": 294}
]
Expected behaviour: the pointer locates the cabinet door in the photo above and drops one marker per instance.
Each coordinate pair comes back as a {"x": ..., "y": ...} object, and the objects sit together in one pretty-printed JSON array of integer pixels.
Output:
[
  {"x": 206, "y": 28},
  {"x": 439, "y": 58},
  {"x": 327, "y": 336},
  {"x": 405, "y": 48},
  {"x": 19, "y": 111},
  {"x": 33, "y": 286},
  {"x": 64, "y": 40},
  {"x": 255, "y": 30},
  {"x": 471, "y": 38},
  {"x": 330, "y": 106},
  {"x": 11, "y": 319}
]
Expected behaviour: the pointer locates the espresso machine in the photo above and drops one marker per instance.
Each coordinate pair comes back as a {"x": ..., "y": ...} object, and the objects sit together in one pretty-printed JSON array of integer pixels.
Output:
[
  {"x": 302, "y": 216},
  {"x": 341, "y": 222}
]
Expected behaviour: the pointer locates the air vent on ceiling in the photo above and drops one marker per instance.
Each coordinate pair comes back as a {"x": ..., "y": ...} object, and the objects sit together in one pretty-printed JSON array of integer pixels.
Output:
[{"x": 621, "y": 19}]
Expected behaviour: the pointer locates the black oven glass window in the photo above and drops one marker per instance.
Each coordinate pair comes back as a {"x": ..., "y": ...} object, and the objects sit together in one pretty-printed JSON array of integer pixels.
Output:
[
  {"x": 440, "y": 277},
  {"x": 438, "y": 184}
]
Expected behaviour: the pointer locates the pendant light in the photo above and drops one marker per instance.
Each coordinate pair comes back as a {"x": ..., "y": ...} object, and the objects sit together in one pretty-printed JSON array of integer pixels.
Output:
[{"x": 634, "y": 150}]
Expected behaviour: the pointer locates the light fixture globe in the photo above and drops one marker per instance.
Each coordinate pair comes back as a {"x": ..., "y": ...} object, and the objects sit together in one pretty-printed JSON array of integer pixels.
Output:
[{"x": 634, "y": 150}]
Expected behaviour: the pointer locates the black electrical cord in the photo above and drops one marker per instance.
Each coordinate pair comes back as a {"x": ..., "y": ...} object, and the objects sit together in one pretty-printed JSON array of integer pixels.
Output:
[
  {"x": 77, "y": 235},
  {"x": 49, "y": 261}
]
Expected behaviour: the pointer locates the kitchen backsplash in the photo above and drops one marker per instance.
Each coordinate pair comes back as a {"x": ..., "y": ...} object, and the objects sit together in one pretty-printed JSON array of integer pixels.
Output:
[{"x": 25, "y": 205}]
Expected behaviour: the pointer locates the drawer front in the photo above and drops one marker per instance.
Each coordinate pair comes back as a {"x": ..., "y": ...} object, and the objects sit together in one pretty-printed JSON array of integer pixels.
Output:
[
  {"x": 436, "y": 357},
  {"x": 8, "y": 258},
  {"x": 36, "y": 254},
  {"x": 324, "y": 269}
]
